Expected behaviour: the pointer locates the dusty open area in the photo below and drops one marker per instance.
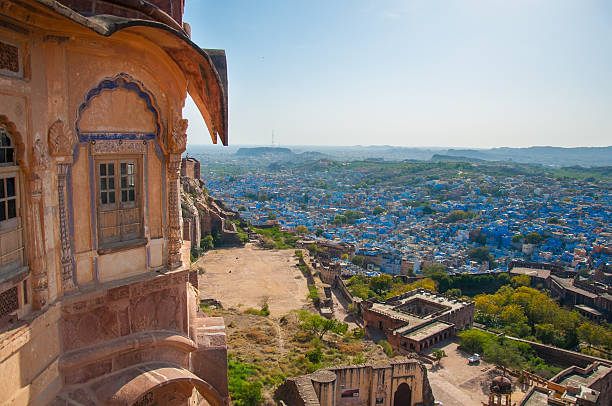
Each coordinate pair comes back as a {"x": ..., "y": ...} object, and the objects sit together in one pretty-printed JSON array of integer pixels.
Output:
[
  {"x": 245, "y": 277},
  {"x": 455, "y": 383}
]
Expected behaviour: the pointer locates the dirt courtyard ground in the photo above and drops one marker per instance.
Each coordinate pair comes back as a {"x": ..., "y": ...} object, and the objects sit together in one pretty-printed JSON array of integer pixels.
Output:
[
  {"x": 245, "y": 277},
  {"x": 455, "y": 383}
]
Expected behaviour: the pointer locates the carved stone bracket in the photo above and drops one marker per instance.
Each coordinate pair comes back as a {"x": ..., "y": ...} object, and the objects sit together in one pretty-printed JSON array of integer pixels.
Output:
[
  {"x": 61, "y": 139},
  {"x": 174, "y": 223},
  {"x": 178, "y": 139}
]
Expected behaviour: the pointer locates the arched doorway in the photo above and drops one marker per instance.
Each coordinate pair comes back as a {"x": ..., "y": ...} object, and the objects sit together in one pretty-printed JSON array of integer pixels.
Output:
[{"x": 403, "y": 395}]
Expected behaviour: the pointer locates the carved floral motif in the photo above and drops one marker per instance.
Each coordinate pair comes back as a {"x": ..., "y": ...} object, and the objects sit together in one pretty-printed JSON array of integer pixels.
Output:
[
  {"x": 118, "y": 147},
  {"x": 61, "y": 139}
]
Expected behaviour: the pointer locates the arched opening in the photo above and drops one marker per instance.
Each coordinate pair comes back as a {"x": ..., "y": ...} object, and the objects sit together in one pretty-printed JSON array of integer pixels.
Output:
[
  {"x": 160, "y": 383},
  {"x": 403, "y": 395}
]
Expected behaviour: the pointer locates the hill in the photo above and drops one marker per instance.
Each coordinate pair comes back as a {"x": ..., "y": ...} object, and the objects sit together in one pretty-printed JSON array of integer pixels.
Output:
[{"x": 259, "y": 151}]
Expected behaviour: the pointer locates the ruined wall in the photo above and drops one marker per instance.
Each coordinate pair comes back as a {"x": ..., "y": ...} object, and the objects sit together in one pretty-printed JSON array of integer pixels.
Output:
[
  {"x": 559, "y": 356},
  {"x": 205, "y": 215}
]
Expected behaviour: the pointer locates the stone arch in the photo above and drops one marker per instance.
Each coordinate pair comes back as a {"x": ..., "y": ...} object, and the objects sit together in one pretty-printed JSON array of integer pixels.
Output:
[
  {"x": 403, "y": 395},
  {"x": 141, "y": 384},
  {"x": 16, "y": 139},
  {"x": 121, "y": 82}
]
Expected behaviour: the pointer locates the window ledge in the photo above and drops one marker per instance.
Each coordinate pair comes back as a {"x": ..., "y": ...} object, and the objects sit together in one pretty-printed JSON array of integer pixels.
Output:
[
  {"x": 10, "y": 278},
  {"x": 122, "y": 246}
]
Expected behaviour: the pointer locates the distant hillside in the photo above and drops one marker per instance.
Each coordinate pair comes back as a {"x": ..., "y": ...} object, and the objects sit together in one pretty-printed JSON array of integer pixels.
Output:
[
  {"x": 259, "y": 151},
  {"x": 554, "y": 156},
  {"x": 453, "y": 158}
]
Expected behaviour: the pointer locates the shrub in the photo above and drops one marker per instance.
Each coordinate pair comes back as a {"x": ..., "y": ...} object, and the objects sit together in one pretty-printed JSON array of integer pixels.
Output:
[{"x": 386, "y": 347}]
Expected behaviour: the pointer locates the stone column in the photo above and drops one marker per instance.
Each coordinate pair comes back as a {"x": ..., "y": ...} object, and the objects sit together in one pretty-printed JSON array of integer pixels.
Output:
[
  {"x": 39, "y": 163},
  {"x": 40, "y": 282},
  {"x": 176, "y": 146},
  {"x": 175, "y": 240},
  {"x": 61, "y": 146}
]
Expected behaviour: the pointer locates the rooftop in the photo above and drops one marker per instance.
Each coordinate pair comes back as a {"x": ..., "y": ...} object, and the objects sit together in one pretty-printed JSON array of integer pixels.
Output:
[{"x": 427, "y": 331}]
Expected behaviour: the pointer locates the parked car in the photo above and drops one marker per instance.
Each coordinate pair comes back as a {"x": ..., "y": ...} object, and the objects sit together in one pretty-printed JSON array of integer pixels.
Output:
[{"x": 474, "y": 359}]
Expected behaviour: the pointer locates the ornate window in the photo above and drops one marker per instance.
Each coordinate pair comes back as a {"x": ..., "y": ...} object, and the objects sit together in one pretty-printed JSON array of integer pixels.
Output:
[
  {"x": 11, "y": 240},
  {"x": 12, "y": 260},
  {"x": 119, "y": 203},
  {"x": 10, "y": 55}
]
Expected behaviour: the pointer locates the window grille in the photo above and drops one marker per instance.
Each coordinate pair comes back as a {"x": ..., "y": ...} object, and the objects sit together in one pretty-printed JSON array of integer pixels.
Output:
[{"x": 9, "y": 302}]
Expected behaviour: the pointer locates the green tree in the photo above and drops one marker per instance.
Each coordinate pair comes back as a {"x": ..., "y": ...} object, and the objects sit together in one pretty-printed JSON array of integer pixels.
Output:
[
  {"x": 386, "y": 347},
  {"x": 207, "y": 243},
  {"x": 520, "y": 280},
  {"x": 378, "y": 210},
  {"x": 433, "y": 268},
  {"x": 480, "y": 254},
  {"x": 546, "y": 333},
  {"x": 474, "y": 340},
  {"x": 438, "y": 354},
  {"x": 248, "y": 394},
  {"x": 358, "y": 260},
  {"x": 381, "y": 284},
  {"x": 533, "y": 238},
  {"x": 502, "y": 355},
  {"x": 319, "y": 325},
  {"x": 319, "y": 232},
  {"x": 455, "y": 292}
]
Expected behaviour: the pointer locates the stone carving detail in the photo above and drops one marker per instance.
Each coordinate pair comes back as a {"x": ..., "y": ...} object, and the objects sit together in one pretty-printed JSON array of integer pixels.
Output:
[
  {"x": 40, "y": 156},
  {"x": 61, "y": 139},
  {"x": 118, "y": 147},
  {"x": 66, "y": 249},
  {"x": 174, "y": 223},
  {"x": 178, "y": 140}
]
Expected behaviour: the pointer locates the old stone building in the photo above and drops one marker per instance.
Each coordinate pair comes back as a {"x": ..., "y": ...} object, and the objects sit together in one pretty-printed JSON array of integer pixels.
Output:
[
  {"x": 395, "y": 383},
  {"x": 95, "y": 301},
  {"x": 417, "y": 320}
]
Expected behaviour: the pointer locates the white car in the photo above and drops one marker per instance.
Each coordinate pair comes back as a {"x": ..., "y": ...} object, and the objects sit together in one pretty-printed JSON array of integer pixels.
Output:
[{"x": 474, "y": 359}]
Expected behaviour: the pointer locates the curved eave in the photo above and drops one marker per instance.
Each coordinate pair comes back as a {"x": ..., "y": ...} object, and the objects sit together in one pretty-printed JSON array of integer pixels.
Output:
[{"x": 205, "y": 70}]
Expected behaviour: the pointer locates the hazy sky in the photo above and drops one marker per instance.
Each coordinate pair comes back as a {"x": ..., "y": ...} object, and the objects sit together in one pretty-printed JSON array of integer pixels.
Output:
[{"x": 412, "y": 73}]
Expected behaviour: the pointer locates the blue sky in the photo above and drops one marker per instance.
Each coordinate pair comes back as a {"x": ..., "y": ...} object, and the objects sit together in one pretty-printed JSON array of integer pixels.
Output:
[{"x": 412, "y": 73}]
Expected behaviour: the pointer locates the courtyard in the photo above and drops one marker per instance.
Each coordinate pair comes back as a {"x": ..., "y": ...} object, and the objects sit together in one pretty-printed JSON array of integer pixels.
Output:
[
  {"x": 455, "y": 383},
  {"x": 246, "y": 277}
]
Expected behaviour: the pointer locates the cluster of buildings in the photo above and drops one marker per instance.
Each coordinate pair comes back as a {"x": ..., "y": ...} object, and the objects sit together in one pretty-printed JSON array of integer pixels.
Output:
[{"x": 413, "y": 226}]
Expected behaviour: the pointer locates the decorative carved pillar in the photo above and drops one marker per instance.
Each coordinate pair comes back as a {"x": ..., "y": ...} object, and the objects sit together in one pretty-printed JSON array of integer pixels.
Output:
[
  {"x": 177, "y": 144},
  {"x": 174, "y": 223},
  {"x": 40, "y": 283},
  {"x": 61, "y": 145},
  {"x": 66, "y": 249}
]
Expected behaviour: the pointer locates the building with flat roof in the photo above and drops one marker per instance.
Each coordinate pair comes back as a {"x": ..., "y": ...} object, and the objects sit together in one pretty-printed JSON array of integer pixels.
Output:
[{"x": 418, "y": 319}]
